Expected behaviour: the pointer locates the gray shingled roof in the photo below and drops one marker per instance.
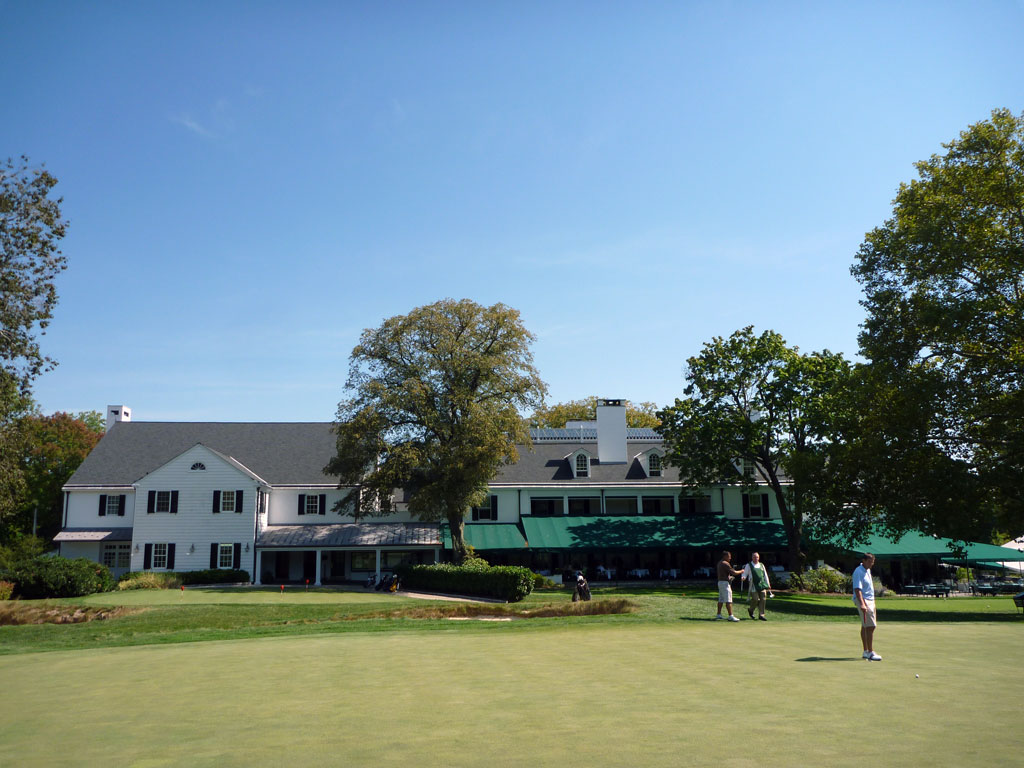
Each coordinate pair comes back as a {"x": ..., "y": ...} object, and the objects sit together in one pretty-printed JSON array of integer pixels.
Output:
[
  {"x": 351, "y": 535},
  {"x": 281, "y": 453},
  {"x": 547, "y": 464}
]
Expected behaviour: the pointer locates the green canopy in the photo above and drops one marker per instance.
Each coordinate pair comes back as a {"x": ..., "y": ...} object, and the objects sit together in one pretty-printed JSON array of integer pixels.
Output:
[
  {"x": 488, "y": 536},
  {"x": 917, "y": 544},
  {"x": 633, "y": 532}
]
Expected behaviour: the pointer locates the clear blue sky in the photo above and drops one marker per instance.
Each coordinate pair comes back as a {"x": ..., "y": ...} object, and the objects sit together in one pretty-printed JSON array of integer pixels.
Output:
[{"x": 249, "y": 185}]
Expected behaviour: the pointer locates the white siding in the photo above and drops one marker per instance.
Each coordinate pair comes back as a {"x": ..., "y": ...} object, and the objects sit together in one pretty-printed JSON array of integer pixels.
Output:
[
  {"x": 87, "y": 549},
  {"x": 284, "y": 508},
  {"x": 195, "y": 526},
  {"x": 84, "y": 509}
]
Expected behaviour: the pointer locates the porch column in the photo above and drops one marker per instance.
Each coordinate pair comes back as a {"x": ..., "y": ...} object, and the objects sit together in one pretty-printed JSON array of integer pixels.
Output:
[
  {"x": 259, "y": 567},
  {"x": 319, "y": 553},
  {"x": 377, "y": 552}
]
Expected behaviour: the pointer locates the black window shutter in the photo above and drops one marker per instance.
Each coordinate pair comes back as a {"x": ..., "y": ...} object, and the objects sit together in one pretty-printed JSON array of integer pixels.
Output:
[
  {"x": 120, "y": 505},
  {"x": 174, "y": 502},
  {"x": 237, "y": 561},
  {"x": 147, "y": 558},
  {"x": 214, "y": 551},
  {"x": 764, "y": 505},
  {"x": 746, "y": 505},
  {"x": 494, "y": 507},
  {"x": 238, "y": 502},
  {"x": 151, "y": 504},
  {"x": 216, "y": 502},
  {"x": 302, "y": 503},
  {"x": 322, "y": 506},
  {"x": 475, "y": 514},
  {"x": 170, "y": 557},
  {"x": 103, "y": 505}
]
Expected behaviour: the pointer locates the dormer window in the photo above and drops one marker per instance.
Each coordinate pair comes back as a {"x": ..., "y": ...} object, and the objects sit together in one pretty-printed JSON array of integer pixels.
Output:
[
  {"x": 654, "y": 465},
  {"x": 198, "y": 467},
  {"x": 582, "y": 465}
]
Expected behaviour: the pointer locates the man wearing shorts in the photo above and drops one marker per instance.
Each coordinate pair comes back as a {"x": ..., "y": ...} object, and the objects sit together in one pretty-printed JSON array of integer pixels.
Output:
[
  {"x": 864, "y": 599},
  {"x": 725, "y": 574}
]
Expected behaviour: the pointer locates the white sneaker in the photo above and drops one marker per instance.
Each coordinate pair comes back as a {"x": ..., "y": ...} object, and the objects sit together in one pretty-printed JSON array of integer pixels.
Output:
[
  {"x": 733, "y": 618},
  {"x": 873, "y": 657}
]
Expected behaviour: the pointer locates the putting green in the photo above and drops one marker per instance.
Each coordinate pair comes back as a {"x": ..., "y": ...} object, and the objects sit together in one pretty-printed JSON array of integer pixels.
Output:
[{"x": 708, "y": 693}]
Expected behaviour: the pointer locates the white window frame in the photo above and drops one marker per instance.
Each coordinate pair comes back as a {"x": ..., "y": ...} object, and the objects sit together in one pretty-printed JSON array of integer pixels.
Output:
[
  {"x": 119, "y": 555},
  {"x": 226, "y": 552},
  {"x": 582, "y": 465},
  {"x": 113, "y": 505},
  {"x": 654, "y": 465},
  {"x": 159, "y": 561},
  {"x": 227, "y": 501},
  {"x": 312, "y": 504},
  {"x": 761, "y": 513},
  {"x": 163, "y": 502}
]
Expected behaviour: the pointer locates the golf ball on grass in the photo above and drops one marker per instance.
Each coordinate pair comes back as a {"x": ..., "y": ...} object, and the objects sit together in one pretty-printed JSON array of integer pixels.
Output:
[{"x": 916, "y": 675}]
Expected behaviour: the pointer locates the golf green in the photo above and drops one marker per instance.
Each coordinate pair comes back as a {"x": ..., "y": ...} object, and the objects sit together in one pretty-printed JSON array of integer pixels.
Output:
[{"x": 563, "y": 694}]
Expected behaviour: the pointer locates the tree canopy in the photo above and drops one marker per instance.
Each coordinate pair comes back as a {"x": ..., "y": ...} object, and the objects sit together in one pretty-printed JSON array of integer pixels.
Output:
[
  {"x": 944, "y": 291},
  {"x": 434, "y": 407},
  {"x": 753, "y": 401},
  {"x": 31, "y": 228},
  {"x": 557, "y": 415},
  {"x": 54, "y": 447}
]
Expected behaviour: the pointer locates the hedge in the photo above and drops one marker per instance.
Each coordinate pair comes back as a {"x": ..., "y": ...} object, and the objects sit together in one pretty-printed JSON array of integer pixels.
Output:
[
  {"x": 505, "y": 582},
  {"x": 174, "y": 579},
  {"x": 55, "y": 576}
]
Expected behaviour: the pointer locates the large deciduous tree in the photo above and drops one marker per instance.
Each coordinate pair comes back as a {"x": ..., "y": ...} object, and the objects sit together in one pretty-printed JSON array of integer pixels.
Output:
[
  {"x": 557, "y": 415},
  {"x": 434, "y": 408},
  {"x": 54, "y": 447},
  {"x": 753, "y": 399},
  {"x": 944, "y": 290},
  {"x": 31, "y": 227}
]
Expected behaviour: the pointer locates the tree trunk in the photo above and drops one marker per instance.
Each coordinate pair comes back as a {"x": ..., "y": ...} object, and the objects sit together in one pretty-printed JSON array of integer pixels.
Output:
[{"x": 455, "y": 524}]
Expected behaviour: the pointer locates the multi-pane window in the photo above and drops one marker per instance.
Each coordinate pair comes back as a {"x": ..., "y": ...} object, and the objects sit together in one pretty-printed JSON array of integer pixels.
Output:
[
  {"x": 748, "y": 468},
  {"x": 487, "y": 511},
  {"x": 312, "y": 504},
  {"x": 755, "y": 505},
  {"x": 227, "y": 501},
  {"x": 582, "y": 465},
  {"x": 116, "y": 555},
  {"x": 160, "y": 554},
  {"x": 695, "y": 506},
  {"x": 226, "y": 555},
  {"x": 364, "y": 561},
  {"x": 163, "y": 502},
  {"x": 114, "y": 505},
  {"x": 654, "y": 465}
]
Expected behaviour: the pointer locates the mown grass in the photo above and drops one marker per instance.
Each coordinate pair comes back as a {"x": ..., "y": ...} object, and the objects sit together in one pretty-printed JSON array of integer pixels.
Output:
[
  {"x": 170, "y": 616},
  {"x": 552, "y": 692}
]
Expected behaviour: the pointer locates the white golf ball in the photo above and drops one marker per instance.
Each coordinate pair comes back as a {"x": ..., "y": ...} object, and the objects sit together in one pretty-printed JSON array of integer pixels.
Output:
[{"x": 916, "y": 675}]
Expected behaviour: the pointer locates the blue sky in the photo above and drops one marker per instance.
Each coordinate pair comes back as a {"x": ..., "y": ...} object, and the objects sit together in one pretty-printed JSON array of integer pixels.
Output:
[{"x": 249, "y": 185}]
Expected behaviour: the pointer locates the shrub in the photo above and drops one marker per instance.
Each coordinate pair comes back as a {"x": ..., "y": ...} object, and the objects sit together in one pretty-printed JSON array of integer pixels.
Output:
[
  {"x": 149, "y": 580},
  {"x": 505, "y": 582},
  {"x": 820, "y": 580},
  {"x": 174, "y": 579},
  {"x": 6, "y": 590},
  {"x": 542, "y": 582},
  {"x": 56, "y": 576}
]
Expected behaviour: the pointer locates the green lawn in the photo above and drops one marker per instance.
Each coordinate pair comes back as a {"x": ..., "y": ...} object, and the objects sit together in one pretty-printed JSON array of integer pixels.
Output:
[{"x": 305, "y": 679}]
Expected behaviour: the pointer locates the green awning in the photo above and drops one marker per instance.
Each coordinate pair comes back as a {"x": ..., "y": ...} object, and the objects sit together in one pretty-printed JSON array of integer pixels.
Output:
[
  {"x": 488, "y": 536},
  {"x": 633, "y": 532},
  {"x": 917, "y": 544}
]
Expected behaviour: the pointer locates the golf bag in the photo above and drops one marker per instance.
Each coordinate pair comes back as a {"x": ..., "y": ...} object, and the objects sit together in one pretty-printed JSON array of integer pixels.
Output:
[{"x": 582, "y": 590}]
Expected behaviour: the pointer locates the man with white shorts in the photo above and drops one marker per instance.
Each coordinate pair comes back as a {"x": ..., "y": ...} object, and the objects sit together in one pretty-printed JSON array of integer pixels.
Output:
[
  {"x": 725, "y": 575},
  {"x": 864, "y": 599}
]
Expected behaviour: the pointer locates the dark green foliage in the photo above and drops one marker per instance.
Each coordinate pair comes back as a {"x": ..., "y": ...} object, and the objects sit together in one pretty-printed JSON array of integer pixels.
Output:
[
  {"x": 504, "y": 582},
  {"x": 54, "y": 576},
  {"x": 944, "y": 291}
]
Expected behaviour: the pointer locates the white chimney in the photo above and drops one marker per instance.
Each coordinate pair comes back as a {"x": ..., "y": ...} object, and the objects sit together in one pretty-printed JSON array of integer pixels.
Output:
[
  {"x": 611, "y": 431},
  {"x": 116, "y": 413}
]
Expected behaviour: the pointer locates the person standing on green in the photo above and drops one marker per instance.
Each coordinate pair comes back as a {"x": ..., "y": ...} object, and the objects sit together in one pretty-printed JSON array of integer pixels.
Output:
[{"x": 756, "y": 575}]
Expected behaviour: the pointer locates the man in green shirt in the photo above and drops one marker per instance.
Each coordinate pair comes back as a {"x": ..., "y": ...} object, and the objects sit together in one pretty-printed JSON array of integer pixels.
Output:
[{"x": 756, "y": 575}]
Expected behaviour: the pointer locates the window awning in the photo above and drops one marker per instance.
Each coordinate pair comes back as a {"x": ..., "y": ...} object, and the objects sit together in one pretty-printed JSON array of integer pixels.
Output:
[
  {"x": 917, "y": 544},
  {"x": 651, "y": 532},
  {"x": 94, "y": 534},
  {"x": 488, "y": 536}
]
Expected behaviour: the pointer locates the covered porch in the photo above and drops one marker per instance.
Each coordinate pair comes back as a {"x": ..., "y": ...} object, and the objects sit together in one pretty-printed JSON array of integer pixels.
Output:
[{"x": 336, "y": 554}]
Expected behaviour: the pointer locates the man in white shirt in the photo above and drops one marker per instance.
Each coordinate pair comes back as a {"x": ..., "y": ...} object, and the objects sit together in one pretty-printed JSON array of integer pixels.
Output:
[{"x": 864, "y": 599}]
